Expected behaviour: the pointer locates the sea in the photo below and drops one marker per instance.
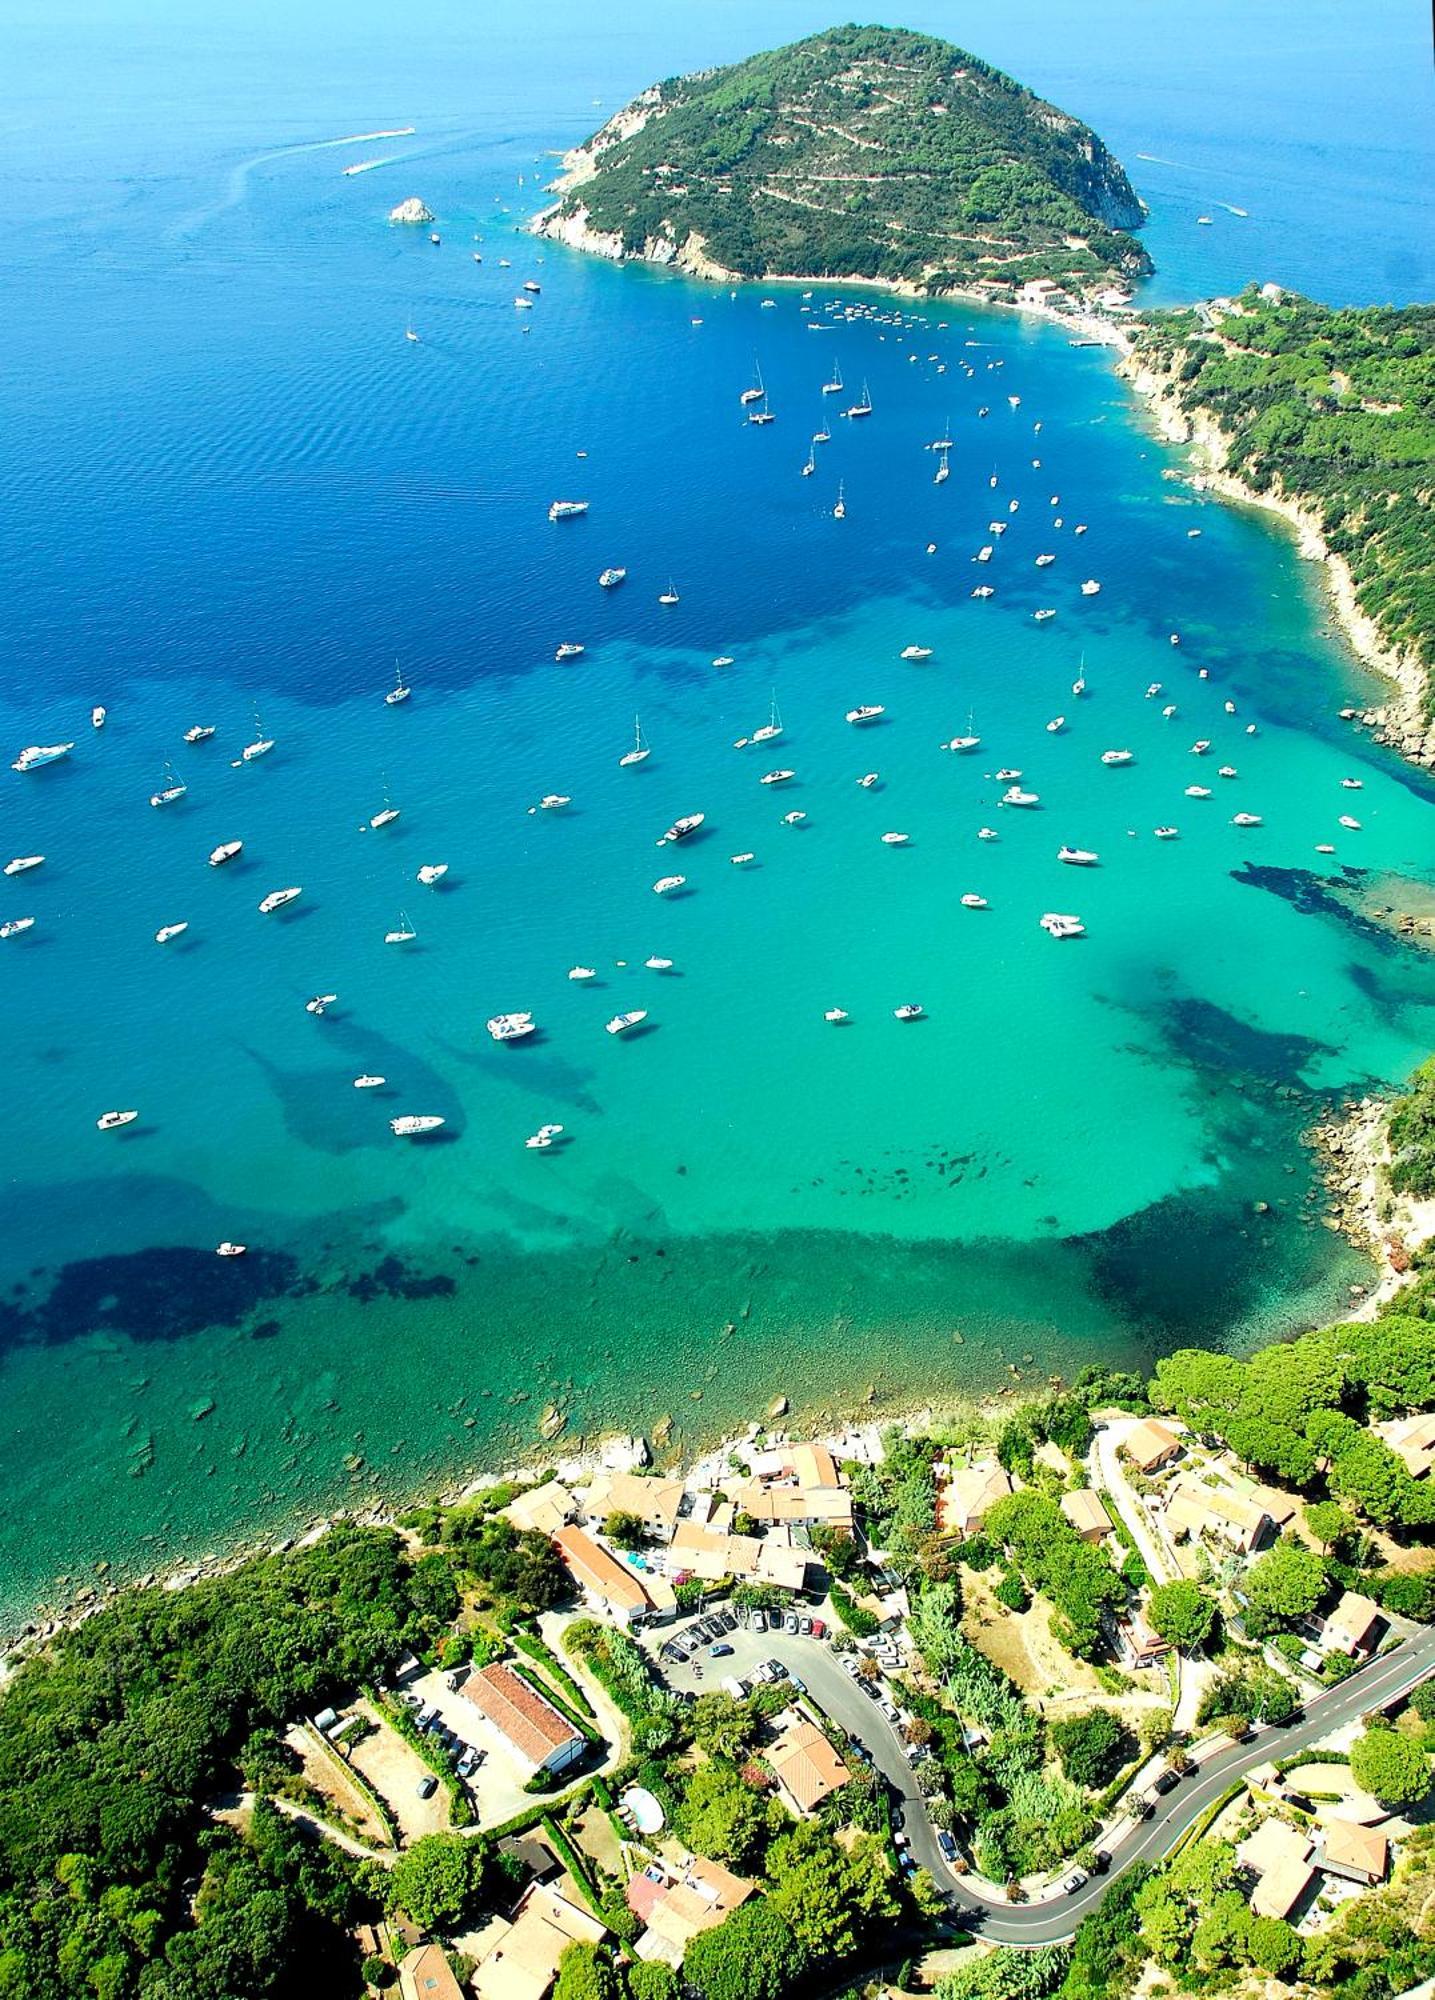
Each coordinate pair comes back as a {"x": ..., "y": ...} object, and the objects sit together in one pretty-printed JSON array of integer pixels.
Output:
[{"x": 236, "y": 496}]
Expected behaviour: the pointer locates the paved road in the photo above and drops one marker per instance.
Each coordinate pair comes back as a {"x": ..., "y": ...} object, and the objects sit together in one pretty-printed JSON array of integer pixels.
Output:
[{"x": 1055, "y": 1921}]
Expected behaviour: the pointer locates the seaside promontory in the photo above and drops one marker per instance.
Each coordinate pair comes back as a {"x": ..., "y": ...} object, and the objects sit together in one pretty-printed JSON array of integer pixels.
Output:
[{"x": 859, "y": 152}]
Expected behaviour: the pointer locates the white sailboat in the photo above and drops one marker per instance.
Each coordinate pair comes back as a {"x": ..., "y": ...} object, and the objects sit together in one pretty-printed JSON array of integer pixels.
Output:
[
  {"x": 171, "y": 791},
  {"x": 836, "y": 385},
  {"x": 943, "y": 472},
  {"x": 402, "y": 933},
  {"x": 839, "y": 512},
  {"x": 398, "y": 692},
  {"x": 758, "y": 390},
  {"x": 772, "y": 728},
  {"x": 670, "y": 595},
  {"x": 260, "y": 747},
  {"x": 640, "y": 750}
]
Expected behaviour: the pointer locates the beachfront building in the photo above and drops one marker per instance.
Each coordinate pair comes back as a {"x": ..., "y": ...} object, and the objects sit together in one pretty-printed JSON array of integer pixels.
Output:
[
  {"x": 534, "y": 1735},
  {"x": 966, "y": 1494},
  {"x": 1149, "y": 1445},
  {"x": 674, "y": 1905},
  {"x": 1195, "y": 1509},
  {"x": 518, "y": 1957},
  {"x": 425, "y": 1974},
  {"x": 799, "y": 1485},
  {"x": 607, "y": 1585},
  {"x": 1276, "y": 1857},
  {"x": 542, "y": 1509},
  {"x": 655, "y": 1502},
  {"x": 1087, "y": 1513},
  {"x": 706, "y": 1552},
  {"x": 806, "y": 1766}
]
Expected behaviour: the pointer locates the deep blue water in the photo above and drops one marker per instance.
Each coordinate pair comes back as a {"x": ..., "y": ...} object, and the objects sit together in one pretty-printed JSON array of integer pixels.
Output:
[{"x": 232, "y": 486}]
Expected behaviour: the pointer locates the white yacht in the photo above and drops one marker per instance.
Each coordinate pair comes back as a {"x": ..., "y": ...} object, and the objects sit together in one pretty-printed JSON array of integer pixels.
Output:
[
  {"x": 511, "y": 1027},
  {"x": 609, "y": 579},
  {"x": 260, "y": 747},
  {"x": 1091, "y": 588},
  {"x": 970, "y": 741},
  {"x": 170, "y": 792},
  {"x": 16, "y": 926},
  {"x": 809, "y": 464},
  {"x": 1118, "y": 756},
  {"x": 620, "y": 1023},
  {"x": 542, "y": 1139},
  {"x": 431, "y": 872},
  {"x": 277, "y": 898},
  {"x": 97, "y": 717},
  {"x": 1078, "y": 686},
  {"x": 639, "y": 752},
  {"x": 411, "y": 1126},
  {"x": 670, "y": 595},
  {"x": 723, "y": 660},
  {"x": 384, "y": 817},
  {"x": 756, "y": 392},
  {"x": 1352, "y": 784},
  {"x": 839, "y": 512},
  {"x": 681, "y": 828},
  {"x": 555, "y": 801},
  {"x": 793, "y": 818},
  {"x": 741, "y": 860},
  {"x": 943, "y": 471},
  {"x": 370, "y": 1082},
  {"x": 984, "y": 554},
  {"x": 862, "y": 408},
  {"x": 228, "y": 1249},
  {"x": 111, "y": 1121},
  {"x": 1045, "y": 562},
  {"x": 1169, "y": 710},
  {"x": 836, "y": 385},
  {"x": 666, "y": 884},
  {"x": 168, "y": 931},
  {"x": 868, "y": 712},
  {"x": 22, "y": 863},
  {"x": 911, "y": 1011},
  {"x": 1167, "y": 833},
  {"x": 1227, "y": 771},
  {"x": 1352, "y": 824},
  {"x": 320, "y": 1004},
  {"x": 656, "y": 964},
  {"x": 837, "y": 1015},
  {"x": 1008, "y": 775},
  {"x": 200, "y": 733},
  {"x": 532, "y": 285},
  {"x": 772, "y": 728},
  {"x": 974, "y": 902},
  {"x": 567, "y": 510},
  {"x": 1015, "y": 796},
  {"x": 1079, "y": 857},
  {"x": 580, "y": 973},
  {"x": 402, "y": 933},
  {"x": 568, "y": 650},
  {"x": 987, "y": 833},
  {"x": 867, "y": 780},
  {"x": 1058, "y": 926},
  {"x": 1198, "y": 791},
  {"x": 895, "y": 839},
  {"x": 776, "y": 777},
  {"x": 37, "y": 754},
  {"x": 1245, "y": 819},
  {"x": 915, "y": 653},
  {"x": 1042, "y": 616},
  {"x": 226, "y": 851},
  {"x": 399, "y": 691},
  {"x": 1201, "y": 746}
]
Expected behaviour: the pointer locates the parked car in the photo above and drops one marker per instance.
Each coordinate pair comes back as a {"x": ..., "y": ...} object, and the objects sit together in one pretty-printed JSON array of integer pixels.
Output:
[
  {"x": 728, "y": 1621},
  {"x": 762, "y": 1672},
  {"x": 720, "y": 1651},
  {"x": 1100, "y": 1861},
  {"x": 466, "y": 1764},
  {"x": 1167, "y": 1780},
  {"x": 947, "y": 1844},
  {"x": 889, "y": 1709},
  {"x": 850, "y": 1666},
  {"x": 899, "y": 1813},
  {"x": 790, "y": 1625},
  {"x": 819, "y": 1628},
  {"x": 1077, "y": 1879},
  {"x": 800, "y": 1686},
  {"x": 426, "y": 1787},
  {"x": 804, "y": 1626},
  {"x": 776, "y": 1670},
  {"x": 757, "y": 1620}
]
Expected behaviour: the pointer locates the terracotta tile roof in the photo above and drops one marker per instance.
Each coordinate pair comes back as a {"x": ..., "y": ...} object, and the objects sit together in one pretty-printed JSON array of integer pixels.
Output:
[
  {"x": 806, "y": 1765},
  {"x": 967, "y": 1496},
  {"x": 1150, "y": 1443},
  {"x": 1085, "y": 1512},
  {"x": 532, "y": 1725},
  {"x": 599, "y": 1571},
  {"x": 1363, "y": 1848},
  {"x": 1353, "y": 1619},
  {"x": 425, "y": 1975}
]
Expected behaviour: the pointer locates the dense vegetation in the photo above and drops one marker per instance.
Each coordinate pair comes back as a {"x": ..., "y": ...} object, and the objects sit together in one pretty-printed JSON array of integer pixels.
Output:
[
  {"x": 864, "y": 152},
  {"x": 1336, "y": 409},
  {"x": 1411, "y": 1130}
]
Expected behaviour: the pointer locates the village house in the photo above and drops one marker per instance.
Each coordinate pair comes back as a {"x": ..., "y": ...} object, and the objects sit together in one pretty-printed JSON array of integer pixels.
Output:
[
  {"x": 966, "y": 1494},
  {"x": 425, "y": 1974},
  {"x": 1150, "y": 1445},
  {"x": 1194, "y": 1509},
  {"x": 1087, "y": 1514},
  {"x": 518, "y": 1957},
  {"x": 606, "y": 1583},
  {"x": 806, "y": 1766},
  {"x": 1354, "y": 1627},
  {"x": 799, "y": 1484},
  {"x": 535, "y": 1735},
  {"x": 542, "y": 1509},
  {"x": 654, "y": 1502},
  {"x": 1138, "y": 1643},
  {"x": 1277, "y": 1858},
  {"x": 1356, "y": 1853},
  {"x": 675, "y": 1906},
  {"x": 700, "y": 1550},
  {"x": 1412, "y": 1439}
]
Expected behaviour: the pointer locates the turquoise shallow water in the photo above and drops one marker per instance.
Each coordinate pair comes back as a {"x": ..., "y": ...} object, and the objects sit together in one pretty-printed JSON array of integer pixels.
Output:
[{"x": 233, "y": 482}]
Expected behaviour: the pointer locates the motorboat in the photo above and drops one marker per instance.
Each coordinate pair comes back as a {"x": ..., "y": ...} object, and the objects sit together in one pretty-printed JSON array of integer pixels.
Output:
[
  {"x": 681, "y": 829},
  {"x": 867, "y": 780},
  {"x": 228, "y": 1249},
  {"x": 609, "y": 579},
  {"x": 974, "y": 902},
  {"x": 656, "y": 964},
  {"x": 793, "y": 818},
  {"x": 837, "y": 1015},
  {"x": 723, "y": 660},
  {"x": 111, "y": 1121},
  {"x": 1227, "y": 771},
  {"x": 987, "y": 833},
  {"x": 168, "y": 931},
  {"x": 1118, "y": 757},
  {"x": 1230, "y": 708},
  {"x": 1352, "y": 824},
  {"x": 1044, "y": 562},
  {"x": 511, "y": 1027},
  {"x": 399, "y": 691},
  {"x": 1352, "y": 784},
  {"x": 567, "y": 510},
  {"x": 1056, "y": 725},
  {"x": 320, "y": 1004},
  {"x": 568, "y": 651},
  {"x": 1167, "y": 833},
  {"x": 276, "y": 899},
  {"x": 1169, "y": 710},
  {"x": 1200, "y": 746},
  {"x": 1091, "y": 588},
  {"x": 370, "y": 1082},
  {"x": 542, "y": 1139},
  {"x": 1153, "y": 690},
  {"x": 579, "y": 973},
  {"x": 1058, "y": 926},
  {"x": 532, "y": 285},
  {"x": 666, "y": 884},
  {"x": 915, "y": 653},
  {"x": 16, "y": 927},
  {"x": 97, "y": 717},
  {"x": 869, "y": 712},
  {"x": 984, "y": 554},
  {"x": 895, "y": 839},
  {"x": 413, "y": 1126},
  {"x": 384, "y": 817},
  {"x": 1198, "y": 791},
  {"x": 38, "y": 754},
  {"x": 910, "y": 1011},
  {"x": 1015, "y": 796},
  {"x": 1007, "y": 776},
  {"x": 741, "y": 860},
  {"x": 431, "y": 872},
  {"x": 1079, "y": 857},
  {"x": 1245, "y": 819},
  {"x": 226, "y": 851},
  {"x": 621, "y": 1023},
  {"x": 1042, "y": 616},
  {"x": 555, "y": 801},
  {"x": 22, "y": 863},
  {"x": 200, "y": 733},
  {"x": 776, "y": 777}
]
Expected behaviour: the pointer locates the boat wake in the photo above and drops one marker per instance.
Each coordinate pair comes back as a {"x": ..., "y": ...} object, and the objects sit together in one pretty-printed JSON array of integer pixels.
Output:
[{"x": 236, "y": 186}]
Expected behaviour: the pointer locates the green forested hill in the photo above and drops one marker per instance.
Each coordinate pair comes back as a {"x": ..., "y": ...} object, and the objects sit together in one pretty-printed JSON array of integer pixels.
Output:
[
  {"x": 1333, "y": 408},
  {"x": 860, "y": 152}
]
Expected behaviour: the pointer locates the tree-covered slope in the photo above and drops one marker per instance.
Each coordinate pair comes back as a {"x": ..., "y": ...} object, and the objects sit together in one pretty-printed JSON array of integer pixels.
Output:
[
  {"x": 1334, "y": 409},
  {"x": 858, "y": 152}
]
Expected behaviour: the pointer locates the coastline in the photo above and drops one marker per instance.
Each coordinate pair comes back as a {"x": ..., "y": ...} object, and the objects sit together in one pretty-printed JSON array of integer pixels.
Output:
[{"x": 1355, "y": 1156}]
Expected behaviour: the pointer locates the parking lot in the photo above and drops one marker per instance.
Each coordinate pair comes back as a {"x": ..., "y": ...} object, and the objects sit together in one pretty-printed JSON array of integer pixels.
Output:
[{"x": 476, "y": 1750}]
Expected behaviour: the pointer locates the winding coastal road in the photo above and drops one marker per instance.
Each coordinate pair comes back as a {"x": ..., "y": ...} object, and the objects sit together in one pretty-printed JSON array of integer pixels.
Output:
[{"x": 1054, "y": 1919}]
